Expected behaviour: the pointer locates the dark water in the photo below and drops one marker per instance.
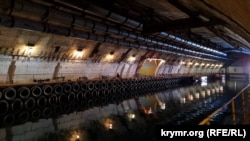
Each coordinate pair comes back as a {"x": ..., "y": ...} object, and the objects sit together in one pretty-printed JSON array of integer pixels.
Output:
[{"x": 134, "y": 118}]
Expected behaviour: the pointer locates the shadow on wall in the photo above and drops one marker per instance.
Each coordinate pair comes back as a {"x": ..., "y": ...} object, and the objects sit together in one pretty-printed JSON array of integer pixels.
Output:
[{"x": 11, "y": 72}]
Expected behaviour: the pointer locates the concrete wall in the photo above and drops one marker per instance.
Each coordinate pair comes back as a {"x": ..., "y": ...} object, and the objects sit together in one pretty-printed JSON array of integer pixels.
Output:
[
  {"x": 183, "y": 69},
  {"x": 27, "y": 71}
]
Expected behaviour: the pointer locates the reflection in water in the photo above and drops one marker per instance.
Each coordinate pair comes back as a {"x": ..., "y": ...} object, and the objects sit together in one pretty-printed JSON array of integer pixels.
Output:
[{"x": 130, "y": 118}]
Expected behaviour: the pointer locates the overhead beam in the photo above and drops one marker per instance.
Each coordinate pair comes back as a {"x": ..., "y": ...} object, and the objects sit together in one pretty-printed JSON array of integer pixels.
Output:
[
  {"x": 236, "y": 44},
  {"x": 183, "y": 8},
  {"x": 181, "y": 24}
]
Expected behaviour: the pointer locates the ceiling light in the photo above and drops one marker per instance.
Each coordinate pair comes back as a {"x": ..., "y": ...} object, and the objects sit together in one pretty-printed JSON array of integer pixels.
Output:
[
  {"x": 110, "y": 126},
  {"x": 131, "y": 58},
  {"x": 78, "y": 52},
  {"x": 110, "y": 56}
]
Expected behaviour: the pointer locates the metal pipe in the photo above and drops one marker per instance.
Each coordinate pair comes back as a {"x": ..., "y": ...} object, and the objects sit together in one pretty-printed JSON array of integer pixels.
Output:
[
  {"x": 110, "y": 15},
  {"x": 57, "y": 16},
  {"x": 49, "y": 28}
]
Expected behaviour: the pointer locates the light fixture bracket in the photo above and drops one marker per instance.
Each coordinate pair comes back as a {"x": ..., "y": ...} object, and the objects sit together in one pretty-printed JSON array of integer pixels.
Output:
[
  {"x": 79, "y": 49},
  {"x": 30, "y": 44}
]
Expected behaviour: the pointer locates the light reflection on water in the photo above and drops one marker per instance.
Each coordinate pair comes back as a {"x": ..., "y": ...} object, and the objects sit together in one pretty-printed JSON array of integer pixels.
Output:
[{"x": 174, "y": 106}]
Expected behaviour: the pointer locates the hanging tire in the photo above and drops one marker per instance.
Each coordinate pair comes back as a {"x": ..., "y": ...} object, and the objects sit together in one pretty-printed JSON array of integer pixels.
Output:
[
  {"x": 103, "y": 101},
  {"x": 106, "y": 92},
  {"x": 84, "y": 86},
  {"x": 95, "y": 94},
  {"x": 52, "y": 100},
  {"x": 118, "y": 90},
  {"x": 35, "y": 114},
  {"x": 130, "y": 95},
  {"x": 113, "y": 99},
  {"x": 76, "y": 87},
  {"x": 57, "y": 110},
  {"x": 118, "y": 83},
  {"x": 71, "y": 97},
  {"x": 114, "y": 83},
  {"x": 58, "y": 89},
  {"x": 80, "y": 96},
  {"x": 42, "y": 101},
  {"x": 113, "y": 91},
  {"x": 90, "y": 103},
  {"x": 47, "y": 112},
  {"x": 97, "y": 102},
  {"x": 123, "y": 90},
  {"x": 118, "y": 97},
  {"x": 87, "y": 94},
  {"x": 97, "y": 85},
  {"x": 123, "y": 97},
  {"x": 36, "y": 91},
  {"x": 83, "y": 105},
  {"x": 29, "y": 103},
  {"x": 62, "y": 98},
  {"x": 126, "y": 96},
  {"x": 109, "y": 84},
  {"x": 124, "y": 82},
  {"x": 47, "y": 90},
  {"x": 67, "y": 88},
  {"x": 23, "y": 117},
  {"x": 91, "y": 85},
  {"x": 9, "y": 120},
  {"x": 75, "y": 107},
  {"x": 4, "y": 107},
  {"x": 23, "y": 92},
  {"x": 16, "y": 105},
  {"x": 67, "y": 108},
  {"x": 9, "y": 93},
  {"x": 103, "y": 85}
]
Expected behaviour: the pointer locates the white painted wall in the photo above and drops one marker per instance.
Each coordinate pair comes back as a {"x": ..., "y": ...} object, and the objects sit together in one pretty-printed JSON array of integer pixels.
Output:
[
  {"x": 183, "y": 69},
  {"x": 175, "y": 69},
  {"x": 131, "y": 70},
  {"x": 160, "y": 70},
  {"x": 26, "y": 71},
  {"x": 4, "y": 65}
]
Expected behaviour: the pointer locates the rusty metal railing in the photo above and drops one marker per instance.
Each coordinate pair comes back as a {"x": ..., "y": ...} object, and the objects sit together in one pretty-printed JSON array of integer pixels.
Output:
[{"x": 237, "y": 111}]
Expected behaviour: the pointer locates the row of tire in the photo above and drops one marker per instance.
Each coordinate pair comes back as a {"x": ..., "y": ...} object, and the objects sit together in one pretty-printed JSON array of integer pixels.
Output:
[
  {"x": 24, "y": 92},
  {"x": 19, "y": 104}
]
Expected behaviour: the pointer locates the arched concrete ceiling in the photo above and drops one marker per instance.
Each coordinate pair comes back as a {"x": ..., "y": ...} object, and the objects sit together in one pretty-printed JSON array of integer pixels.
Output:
[{"x": 208, "y": 30}]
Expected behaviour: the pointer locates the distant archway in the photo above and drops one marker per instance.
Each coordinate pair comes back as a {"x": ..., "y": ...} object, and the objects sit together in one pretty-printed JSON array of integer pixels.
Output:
[{"x": 149, "y": 67}]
